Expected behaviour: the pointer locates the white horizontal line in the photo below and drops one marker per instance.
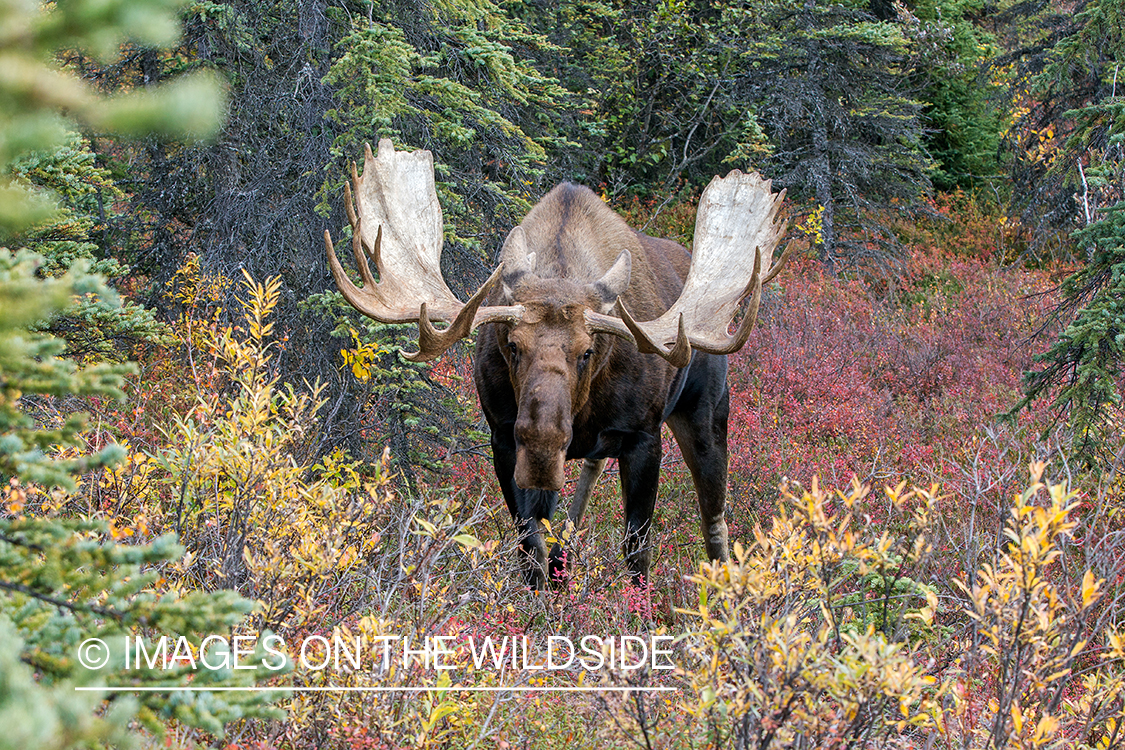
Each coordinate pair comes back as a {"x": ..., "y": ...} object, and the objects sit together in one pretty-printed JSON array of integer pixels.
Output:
[{"x": 486, "y": 689}]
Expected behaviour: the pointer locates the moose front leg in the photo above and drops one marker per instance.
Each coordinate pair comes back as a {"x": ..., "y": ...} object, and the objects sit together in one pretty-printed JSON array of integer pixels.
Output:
[
  {"x": 536, "y": 507},
  {"x": 533, "y": 551},
  {"x": 640, "y": 476},
  {"x": 591, "y": 471},
  {"x": 529, "y": 508}
]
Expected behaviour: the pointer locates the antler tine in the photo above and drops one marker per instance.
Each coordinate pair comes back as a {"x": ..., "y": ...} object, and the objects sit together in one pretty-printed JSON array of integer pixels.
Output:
[
  {"x": 432, "y": 342},
  {"x": 735, "y": 212},
  {"x": 395, "y": 199},
  {"x": 754, "y": 288},
  {"x": 349, "y": 198},
  {"x": 353, "y": 294},
  {"x": 360, "y": 250},
  {"x": 678, "y": 355},
  {"x": 775, "y": 269}
]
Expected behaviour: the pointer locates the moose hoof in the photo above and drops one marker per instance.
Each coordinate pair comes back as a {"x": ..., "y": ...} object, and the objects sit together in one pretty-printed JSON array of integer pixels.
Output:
[
  {"x": 533, "y": 577},
  {"x": 557, "y": 568}
]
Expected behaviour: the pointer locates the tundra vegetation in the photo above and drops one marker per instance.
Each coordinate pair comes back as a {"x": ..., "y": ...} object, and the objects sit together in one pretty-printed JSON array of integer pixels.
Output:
[{"x": 199, "y": 438}]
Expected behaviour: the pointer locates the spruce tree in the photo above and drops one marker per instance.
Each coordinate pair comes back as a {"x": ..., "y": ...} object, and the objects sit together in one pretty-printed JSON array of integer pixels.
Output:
[
  {"x": 65, "y": 581},
  {"x": 1081, "y": 373},
  {"x": 962, "y": 115},
  {"x": 829, "y": 83},
  {"x": 79, "y": 229}
]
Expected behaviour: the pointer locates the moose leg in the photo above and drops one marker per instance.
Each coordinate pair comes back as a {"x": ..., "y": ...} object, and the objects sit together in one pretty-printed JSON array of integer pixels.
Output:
[
  {"x": 528, "y": 508},
  {"x": 699, "y": 424},
  {"x": 705, "y": 452},
  {"x": 538, "y": 505},
  {"x": 640, "y": 475},
  {"x": 591, "y": 471}
]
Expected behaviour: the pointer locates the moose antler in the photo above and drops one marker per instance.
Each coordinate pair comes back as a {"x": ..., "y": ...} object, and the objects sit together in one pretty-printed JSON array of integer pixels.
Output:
[
  {"x": 736, "y": 231},
  {"x": 396, "y": 218}
]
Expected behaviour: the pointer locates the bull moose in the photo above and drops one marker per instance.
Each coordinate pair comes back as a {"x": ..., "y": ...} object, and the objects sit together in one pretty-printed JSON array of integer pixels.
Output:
[{"x": 563, "y": 368}]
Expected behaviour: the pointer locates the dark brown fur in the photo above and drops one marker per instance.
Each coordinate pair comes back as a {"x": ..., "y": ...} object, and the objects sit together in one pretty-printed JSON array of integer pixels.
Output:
[{"x": 552, "y": 391}]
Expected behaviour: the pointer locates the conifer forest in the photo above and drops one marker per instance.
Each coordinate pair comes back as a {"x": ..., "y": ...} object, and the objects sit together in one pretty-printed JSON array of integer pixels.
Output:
[{"x": 235, "y": 513}]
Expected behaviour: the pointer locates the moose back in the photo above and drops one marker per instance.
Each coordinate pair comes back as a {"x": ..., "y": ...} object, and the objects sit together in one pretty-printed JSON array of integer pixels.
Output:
[{"x": 592, "y": 336}]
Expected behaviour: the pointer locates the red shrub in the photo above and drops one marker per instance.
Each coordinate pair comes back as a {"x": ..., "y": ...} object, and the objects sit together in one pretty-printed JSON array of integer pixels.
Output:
[{"x": 849, "y": 376}]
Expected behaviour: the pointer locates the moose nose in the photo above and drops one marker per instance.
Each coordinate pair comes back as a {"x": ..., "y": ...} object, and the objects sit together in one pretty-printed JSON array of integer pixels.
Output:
[
  {"x": 541, "y": 453},
  {"x": 540, "y": 471}
]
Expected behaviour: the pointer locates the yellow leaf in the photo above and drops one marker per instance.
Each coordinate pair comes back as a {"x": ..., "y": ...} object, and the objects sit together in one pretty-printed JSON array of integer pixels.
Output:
[
  {"x": 1090, "y": 585},
  {"x": 1047, "y": 727},
  {"x": 467, "y": 540},
  {"x": 927, "y": 615}
]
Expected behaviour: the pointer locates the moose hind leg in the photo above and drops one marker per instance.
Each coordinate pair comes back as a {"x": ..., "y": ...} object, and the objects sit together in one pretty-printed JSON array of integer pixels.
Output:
[
  {"x": 701, "y": 434},
  {"x": 640, "y": 476},
  {"x": 591, "y": 471}
]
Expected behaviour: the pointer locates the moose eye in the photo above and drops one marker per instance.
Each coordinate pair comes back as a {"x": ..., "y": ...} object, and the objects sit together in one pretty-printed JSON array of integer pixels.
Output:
[
  {"x": 587, "y": 354},
  {"x": 513, "y": 348}
]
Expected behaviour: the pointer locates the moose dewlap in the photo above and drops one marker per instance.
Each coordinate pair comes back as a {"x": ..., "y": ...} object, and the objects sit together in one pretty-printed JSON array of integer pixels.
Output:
[{"x": 592, "y": 335}]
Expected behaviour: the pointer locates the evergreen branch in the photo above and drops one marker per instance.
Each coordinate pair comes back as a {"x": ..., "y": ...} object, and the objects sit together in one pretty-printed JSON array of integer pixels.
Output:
[
  {"x": 63, "y": 603},
  {"x": 22, "y": 543}
]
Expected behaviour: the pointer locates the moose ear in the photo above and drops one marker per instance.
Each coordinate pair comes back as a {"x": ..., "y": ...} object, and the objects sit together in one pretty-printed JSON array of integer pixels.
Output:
[
  {"x": 518, "y": 262},
  {"x": 614, "y": 283}
]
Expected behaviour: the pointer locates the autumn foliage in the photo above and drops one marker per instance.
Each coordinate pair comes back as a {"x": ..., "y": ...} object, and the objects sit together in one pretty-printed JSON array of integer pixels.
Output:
[
  {"x": 979, "y": 609},
  {"x": 926, "y": 444}
]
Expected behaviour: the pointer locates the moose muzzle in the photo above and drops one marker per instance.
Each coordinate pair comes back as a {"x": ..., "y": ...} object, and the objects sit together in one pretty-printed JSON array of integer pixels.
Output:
[{"x": 543, "y": 432}]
